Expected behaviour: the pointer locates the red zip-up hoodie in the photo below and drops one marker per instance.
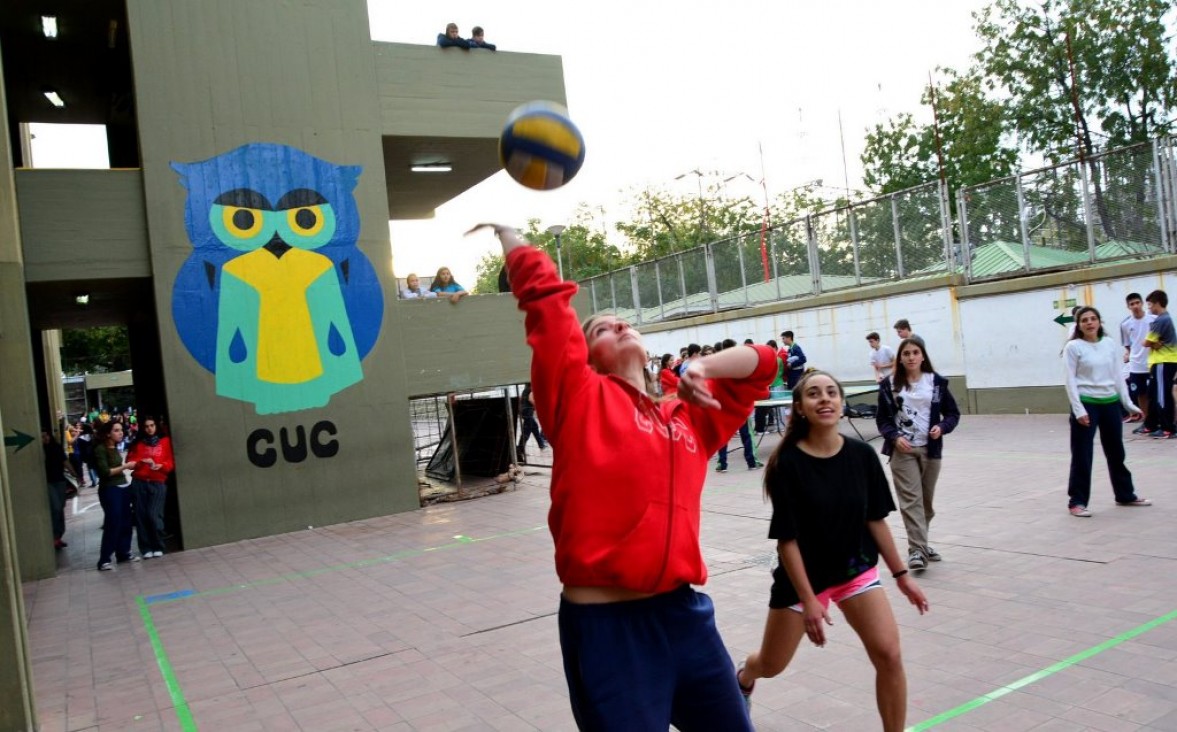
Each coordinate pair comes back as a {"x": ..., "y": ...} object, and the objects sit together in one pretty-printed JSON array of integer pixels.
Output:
[
  {"x": 161, "y": 453},
  {"x": 628, "y": 478}
]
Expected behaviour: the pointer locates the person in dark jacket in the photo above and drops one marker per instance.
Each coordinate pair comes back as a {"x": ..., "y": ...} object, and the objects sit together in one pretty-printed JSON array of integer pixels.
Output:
[
  {"x": 916, "y": 410},
  {"x": 478, "y": 39},
  {"x": 451, "y": 38},
  {"x": 56, "y": 467}
]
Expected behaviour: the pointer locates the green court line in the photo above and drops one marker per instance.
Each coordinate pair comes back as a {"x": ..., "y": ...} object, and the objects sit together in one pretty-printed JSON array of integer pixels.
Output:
[
  {"x": 459, "y": 541},
  {"x": 1042, "y": 674},
  {"x": 179, "y": 703}
]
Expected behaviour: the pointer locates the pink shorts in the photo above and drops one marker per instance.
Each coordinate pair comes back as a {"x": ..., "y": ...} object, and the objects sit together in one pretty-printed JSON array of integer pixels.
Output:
[{"x": 868, "y": 580}]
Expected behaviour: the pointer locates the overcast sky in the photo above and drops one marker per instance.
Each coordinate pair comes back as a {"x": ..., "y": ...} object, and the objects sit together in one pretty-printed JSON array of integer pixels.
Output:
[{"x": 659, "y": 89}]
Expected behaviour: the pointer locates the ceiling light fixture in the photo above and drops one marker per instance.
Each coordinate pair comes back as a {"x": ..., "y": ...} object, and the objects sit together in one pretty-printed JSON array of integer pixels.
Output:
[
  {"x": 432, "y": 168},
  {"x": 49, "y": 26},
  {"x": 54, "y": 99}
]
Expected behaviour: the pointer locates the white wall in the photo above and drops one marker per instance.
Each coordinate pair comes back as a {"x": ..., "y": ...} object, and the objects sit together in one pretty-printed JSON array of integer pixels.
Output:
[
  {"x": 996, "y": 341},
  {"x": 1011, "y": 339}
]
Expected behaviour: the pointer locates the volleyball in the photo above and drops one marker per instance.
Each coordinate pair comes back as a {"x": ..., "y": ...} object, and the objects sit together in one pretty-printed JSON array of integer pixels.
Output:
[{"x": 540, "y": 146}]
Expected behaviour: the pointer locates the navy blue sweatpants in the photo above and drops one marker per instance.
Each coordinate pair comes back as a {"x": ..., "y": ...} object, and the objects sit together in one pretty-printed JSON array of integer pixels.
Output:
[{"x": 644, "y": 664}]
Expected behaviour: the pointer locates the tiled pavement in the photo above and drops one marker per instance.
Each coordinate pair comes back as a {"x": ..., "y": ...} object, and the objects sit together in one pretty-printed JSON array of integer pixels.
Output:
[{"x": 443, "y": 619}]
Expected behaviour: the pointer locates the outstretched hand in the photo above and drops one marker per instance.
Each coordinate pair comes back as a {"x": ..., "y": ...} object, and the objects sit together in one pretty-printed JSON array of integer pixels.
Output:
[
  {"x": 692, "y": 387},
  {"x": 507, "y": 235}
]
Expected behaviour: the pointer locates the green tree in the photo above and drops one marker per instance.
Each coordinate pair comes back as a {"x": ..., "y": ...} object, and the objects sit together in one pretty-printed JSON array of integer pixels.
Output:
[
  {"x": 974, "y": 142},
  {"x": 95, "y": 350}
]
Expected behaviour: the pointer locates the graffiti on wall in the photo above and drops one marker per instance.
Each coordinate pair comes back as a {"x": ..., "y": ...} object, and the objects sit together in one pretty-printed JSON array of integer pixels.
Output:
[{"x": 276, "y": 298}]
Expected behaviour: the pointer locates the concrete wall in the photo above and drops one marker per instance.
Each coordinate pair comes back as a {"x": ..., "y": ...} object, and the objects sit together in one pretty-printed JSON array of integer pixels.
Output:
[
  {"x": 435, "y": 92},
  {"x": 301, "y": 76},
  {"x": 82, "y": 224},
  {"x": 492, "y": 350},
  {"x": 999, "y": 336}
]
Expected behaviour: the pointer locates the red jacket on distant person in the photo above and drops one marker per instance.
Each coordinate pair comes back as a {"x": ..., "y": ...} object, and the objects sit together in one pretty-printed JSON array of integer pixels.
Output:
[
  {"x": 669, "y": 381},
  {"x": 160, "y": 452},
  {"x": 627, "y": 482}
]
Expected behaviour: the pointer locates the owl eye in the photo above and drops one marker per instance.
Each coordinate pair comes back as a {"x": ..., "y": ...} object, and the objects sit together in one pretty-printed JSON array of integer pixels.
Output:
[
  {"x": 305, "y": 221},
  {"x": 243, "y": 223}
]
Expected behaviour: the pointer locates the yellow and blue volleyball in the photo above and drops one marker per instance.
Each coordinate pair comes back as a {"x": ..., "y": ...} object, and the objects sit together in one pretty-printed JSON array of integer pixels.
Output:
[{"x": 540, "y": 146}]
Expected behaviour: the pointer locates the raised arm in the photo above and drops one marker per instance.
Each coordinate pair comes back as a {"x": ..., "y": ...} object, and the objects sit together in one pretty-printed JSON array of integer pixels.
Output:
[{"x": 559, "y": 354}]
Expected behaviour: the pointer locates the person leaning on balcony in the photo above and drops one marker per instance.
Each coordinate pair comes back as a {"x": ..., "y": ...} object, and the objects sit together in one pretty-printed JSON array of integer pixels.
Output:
[
  {"x": 478, "y": 39},
  {"x": 444, "y": 285},
  {"x": 413, "y": 289},
  {"x": 451, "y": 38}
]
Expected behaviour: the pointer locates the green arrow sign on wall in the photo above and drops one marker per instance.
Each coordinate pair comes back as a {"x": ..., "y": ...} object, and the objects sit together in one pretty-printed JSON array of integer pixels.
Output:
[
  {"x": 1063, "y": 319},
  {"x": 18, "y": 440}
]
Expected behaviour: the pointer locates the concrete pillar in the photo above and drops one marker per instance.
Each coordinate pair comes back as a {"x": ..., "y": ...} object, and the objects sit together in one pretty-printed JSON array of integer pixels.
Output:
[
  {"x": 55, "y": 405},
  {"x": 16, "y": 686}
]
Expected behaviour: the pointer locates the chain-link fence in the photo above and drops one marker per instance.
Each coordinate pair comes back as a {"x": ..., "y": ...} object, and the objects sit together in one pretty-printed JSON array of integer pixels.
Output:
[
  {"x": 1113, "y": 206},
  {"x": 1116, "y": 205}
]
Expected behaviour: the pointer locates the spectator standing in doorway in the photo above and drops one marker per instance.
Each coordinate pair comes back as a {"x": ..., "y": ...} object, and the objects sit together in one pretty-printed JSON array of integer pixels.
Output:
[
  {"x": 1162, "y": 367},
  {"x": 56, "y": 467},
  {"x": 149, "y": 489},
  {"x": 115, "y": 496},
  {"x": 882, "y": 358},
  {"x": 795, "y": 359}
]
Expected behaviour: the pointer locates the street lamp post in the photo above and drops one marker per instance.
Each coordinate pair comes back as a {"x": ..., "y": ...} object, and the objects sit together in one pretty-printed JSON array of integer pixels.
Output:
[{"x": 556, "y": 230}]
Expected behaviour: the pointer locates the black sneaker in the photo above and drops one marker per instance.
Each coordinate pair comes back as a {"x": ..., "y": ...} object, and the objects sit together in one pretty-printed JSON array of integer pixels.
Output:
[{"x": 916, "y": 561}]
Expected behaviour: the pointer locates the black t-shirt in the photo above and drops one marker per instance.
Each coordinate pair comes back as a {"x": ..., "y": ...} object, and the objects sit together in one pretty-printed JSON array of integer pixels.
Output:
[{"x": 824, "y": 504}]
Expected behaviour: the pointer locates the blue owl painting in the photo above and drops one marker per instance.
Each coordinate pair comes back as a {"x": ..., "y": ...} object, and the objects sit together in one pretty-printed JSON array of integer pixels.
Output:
[{"x": 276, "y": 299}]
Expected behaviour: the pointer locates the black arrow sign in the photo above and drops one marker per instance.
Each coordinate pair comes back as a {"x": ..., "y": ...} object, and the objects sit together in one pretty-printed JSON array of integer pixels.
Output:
[
  {"x": 1063, "y": 319},
  {"x": 19, "y": 440}
]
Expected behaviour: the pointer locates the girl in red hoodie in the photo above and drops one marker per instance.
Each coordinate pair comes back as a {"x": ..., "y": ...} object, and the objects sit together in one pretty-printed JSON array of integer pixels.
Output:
[
  {"x": 640, "y": 646},
  {"x": 152, "y": 454}
]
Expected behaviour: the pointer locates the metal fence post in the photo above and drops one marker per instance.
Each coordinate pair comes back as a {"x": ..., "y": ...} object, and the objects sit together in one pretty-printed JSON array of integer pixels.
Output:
[
  {"x": 946, "y": 227},
  {"x": 1087, "y": 211},
  {"x": 853, "y": 217},
  {"x": 814, "y": 258},
  {"x": 1161, "y": 218},
  {"x": 1022, "y": 222},
  {"x": 593, "y": 293},
  {"x": 743, "y": 274},
  {"x": 613, "y": 291},
  {"x": 658, "y": 284},
  {"x": 776, "y": 275},
  {"x": 682, "y": 283},
  {"x": 898, "y": 236},
  {"x": 962, "y": 220},
  {"x": 1171, "y": 170},
  {"x": 637, "y": 295},
  {"x": 712, "y": 286}
]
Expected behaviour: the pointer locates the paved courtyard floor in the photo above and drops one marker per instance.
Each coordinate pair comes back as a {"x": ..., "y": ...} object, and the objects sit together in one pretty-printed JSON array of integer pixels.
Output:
[{"x": 444, "y": 618}]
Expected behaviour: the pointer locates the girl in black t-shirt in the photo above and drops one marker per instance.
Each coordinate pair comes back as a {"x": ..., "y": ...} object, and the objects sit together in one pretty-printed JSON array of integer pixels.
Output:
[{"x": 830, "y": 500}]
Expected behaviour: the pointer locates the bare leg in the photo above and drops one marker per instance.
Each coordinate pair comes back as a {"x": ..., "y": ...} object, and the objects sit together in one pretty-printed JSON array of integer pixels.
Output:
[
  {"x": 783, "y": 632},
  {"x": 871, "y": 617}
]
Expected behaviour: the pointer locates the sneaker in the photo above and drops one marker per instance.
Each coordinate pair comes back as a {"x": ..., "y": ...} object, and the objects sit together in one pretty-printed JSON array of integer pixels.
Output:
[
  {"x": 1137, "y": 502},
  {"x": 148, "y": 555},
  {"x": 1080, "y": 512},
  {"x": 1164, "y": 435},
  {"x": 931, "y": 554},
  {"x": 916, "y": 560},
  {"x": 721, "y": 468},
  {"x": 757, "y": 466},
  {"x": 60, "y": 544},
  {"x": 1141, "y": 430},
  {"x": 745, "y": 691},
  {"x": 128, "y": 558},
  {"x": 157, "y": 554},
  {"x": 105, "y": 566}
]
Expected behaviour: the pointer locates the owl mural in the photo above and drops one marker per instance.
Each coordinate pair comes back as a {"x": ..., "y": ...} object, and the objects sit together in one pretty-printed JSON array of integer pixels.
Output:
[{"x": 276, "y": 299}]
